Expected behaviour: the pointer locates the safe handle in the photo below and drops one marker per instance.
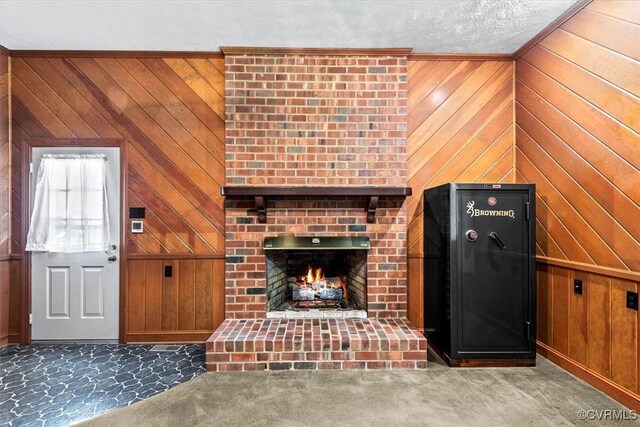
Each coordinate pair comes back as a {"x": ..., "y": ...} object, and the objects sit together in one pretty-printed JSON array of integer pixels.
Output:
[{"x": 494, "y": 236}]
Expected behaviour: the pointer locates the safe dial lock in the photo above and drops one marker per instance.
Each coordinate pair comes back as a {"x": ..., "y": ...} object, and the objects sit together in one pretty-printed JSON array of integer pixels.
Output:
[{"x": 472, "y": 235}]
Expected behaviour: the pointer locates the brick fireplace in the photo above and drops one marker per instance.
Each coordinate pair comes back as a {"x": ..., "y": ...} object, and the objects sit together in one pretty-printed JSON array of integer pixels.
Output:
[{"x": 310, "y": 122}]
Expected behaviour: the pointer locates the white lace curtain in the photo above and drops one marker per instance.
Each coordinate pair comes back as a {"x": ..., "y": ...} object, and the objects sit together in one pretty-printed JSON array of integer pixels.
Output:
[{"x": 70, "y": 210}]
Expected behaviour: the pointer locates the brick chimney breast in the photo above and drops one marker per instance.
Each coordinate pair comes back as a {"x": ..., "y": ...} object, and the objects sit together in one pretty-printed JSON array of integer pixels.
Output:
[{"x": 315, "y": 120}]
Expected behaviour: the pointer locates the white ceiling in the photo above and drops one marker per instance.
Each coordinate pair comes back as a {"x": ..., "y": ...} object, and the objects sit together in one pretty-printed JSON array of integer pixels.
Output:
[{"x": 453, "y": 26}]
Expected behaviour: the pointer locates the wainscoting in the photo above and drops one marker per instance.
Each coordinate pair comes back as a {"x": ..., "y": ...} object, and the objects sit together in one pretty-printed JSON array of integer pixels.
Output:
[
  {"x": 5, "y": 278},
  {"x": 10, "y": 301},
  {"x": 185, "y": 307},
  {"x": 592, "y": 335}
]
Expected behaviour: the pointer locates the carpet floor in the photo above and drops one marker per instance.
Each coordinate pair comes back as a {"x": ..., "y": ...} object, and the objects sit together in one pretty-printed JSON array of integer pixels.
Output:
[{"x": 438, "y": 396}]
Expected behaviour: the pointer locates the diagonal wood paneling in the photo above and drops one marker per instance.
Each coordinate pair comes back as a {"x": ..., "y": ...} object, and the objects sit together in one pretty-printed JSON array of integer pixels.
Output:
[
  {"x": 5, "y": 204},
  {"x": 5, "y": 215},
  {"x": 470, "y": 125},
  {"x": 171, "y": 113},
  {"x": 577, "y": 138},
  {"x": 460, "y": 128},
  {"x": 578, "y": 124}
]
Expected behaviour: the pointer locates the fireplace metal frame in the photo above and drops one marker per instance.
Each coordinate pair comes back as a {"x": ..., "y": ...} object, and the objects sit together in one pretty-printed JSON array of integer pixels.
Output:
[{"x": 320, "y": 243}]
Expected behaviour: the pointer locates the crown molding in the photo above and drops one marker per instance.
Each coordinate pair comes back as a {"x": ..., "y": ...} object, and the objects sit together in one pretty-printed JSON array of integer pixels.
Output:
[
  {"x": 309, "y": 51},
  {"x": 460, "y": 57},
  {"x": 5, "y": 50},
  {"x": 568, "y": 14},
  {"x": 114, "y": 54}
]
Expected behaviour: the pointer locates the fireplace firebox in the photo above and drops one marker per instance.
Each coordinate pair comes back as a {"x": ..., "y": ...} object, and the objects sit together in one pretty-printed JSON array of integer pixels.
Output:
[{"x": 316, "y": 277}]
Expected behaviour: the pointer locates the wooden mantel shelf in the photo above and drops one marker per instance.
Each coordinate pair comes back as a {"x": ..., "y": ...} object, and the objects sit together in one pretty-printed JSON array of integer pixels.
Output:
[{"x": 260, "y": 193}]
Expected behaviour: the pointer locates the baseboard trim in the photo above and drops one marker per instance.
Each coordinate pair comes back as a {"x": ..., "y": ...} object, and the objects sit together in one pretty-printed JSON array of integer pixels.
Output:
[
  {"x": 14, "y": 337},
  {"x": 4, "y": 341},
  {"x": 605, "y": 385},
  {"x": 480, "y": 363},
  {"x": 186, "y": 337}
]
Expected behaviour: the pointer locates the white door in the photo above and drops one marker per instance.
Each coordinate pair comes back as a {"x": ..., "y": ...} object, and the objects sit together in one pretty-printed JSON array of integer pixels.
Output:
[{"x": 75, "y": 295}]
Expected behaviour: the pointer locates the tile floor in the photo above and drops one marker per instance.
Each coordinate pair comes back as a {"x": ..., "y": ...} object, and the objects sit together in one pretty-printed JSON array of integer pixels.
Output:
[{"x": 59, "y": 384}]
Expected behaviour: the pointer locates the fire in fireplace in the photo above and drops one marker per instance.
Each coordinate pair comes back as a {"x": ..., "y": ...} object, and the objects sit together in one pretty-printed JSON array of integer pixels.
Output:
[
  {"x": 314, "y": 289},
  {"x": 316, "y": 277}
]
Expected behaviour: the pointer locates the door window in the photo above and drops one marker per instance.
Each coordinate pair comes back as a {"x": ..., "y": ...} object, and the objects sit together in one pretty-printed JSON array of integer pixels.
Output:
[{"x": 70, "y": 212}]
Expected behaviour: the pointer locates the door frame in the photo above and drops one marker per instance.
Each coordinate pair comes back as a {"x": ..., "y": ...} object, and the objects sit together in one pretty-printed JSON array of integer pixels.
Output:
[{"x": 25, "y": 213}]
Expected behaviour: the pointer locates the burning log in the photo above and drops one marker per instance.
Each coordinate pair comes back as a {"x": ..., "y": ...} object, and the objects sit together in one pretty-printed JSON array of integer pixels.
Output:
[
  {"x": 303, "y": 293},
  {"x": 331, "y": 293},
  {"x": 315, "y": 284}
]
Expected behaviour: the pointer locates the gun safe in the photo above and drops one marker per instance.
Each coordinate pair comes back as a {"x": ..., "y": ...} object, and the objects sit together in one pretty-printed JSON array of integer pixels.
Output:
[{"x": 479, "y": 273}]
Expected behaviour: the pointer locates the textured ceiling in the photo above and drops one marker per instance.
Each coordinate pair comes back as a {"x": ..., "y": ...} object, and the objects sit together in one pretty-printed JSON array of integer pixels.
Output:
[{"x": 453, "y": 26}]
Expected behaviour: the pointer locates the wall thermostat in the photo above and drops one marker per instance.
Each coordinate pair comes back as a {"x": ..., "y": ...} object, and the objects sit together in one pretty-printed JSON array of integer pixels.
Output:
[{"x": 137, "y": 226}]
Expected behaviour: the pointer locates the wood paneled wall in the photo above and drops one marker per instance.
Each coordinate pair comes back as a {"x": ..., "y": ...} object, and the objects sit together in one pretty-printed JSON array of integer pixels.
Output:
[
  {"x": 5, "y": 278},
  {"x": 185, "y": 307},
  {"x": 578, "y": 140},
  {"x": 5, "y": 217},
  {"x": 593, "y": 335},
  {"x": 171, "y": 113},
  {"x": 9, "y": 300},
  {"x": 460, "y": 128},
  {"x": 578, "y": 124}
]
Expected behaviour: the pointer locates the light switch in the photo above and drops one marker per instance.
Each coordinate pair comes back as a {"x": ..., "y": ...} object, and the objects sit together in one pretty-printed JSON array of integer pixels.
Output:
[
  {"x": 632, "y": 300},
  {"x": 577, "y": 286}
]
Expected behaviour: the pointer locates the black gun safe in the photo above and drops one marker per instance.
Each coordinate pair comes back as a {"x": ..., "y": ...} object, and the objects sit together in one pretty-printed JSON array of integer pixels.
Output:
[{"x": 479, "y": 273}]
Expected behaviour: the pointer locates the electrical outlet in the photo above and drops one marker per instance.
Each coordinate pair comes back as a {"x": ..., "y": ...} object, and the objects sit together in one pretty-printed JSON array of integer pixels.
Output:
[
  {"x": 632, "y": 300},
  {"x": 577, "y": 286},
  {"x": 168, "y": 270}
]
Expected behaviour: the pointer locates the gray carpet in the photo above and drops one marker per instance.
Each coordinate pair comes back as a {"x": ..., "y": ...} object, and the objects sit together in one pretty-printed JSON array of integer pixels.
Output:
[{"x": 439, "y": 396}]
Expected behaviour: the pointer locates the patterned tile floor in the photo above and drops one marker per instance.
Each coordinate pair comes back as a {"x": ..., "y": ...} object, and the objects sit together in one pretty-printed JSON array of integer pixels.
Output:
[{"x": 56, "y": 385}]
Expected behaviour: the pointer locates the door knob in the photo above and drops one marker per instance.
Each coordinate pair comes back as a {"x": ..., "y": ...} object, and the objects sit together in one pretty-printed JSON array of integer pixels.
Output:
[{"x": 112, "y": 258}]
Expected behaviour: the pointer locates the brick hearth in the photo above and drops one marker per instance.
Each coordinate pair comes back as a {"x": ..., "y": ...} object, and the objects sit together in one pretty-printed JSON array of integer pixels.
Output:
[{"x": 281, "y": 344}]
